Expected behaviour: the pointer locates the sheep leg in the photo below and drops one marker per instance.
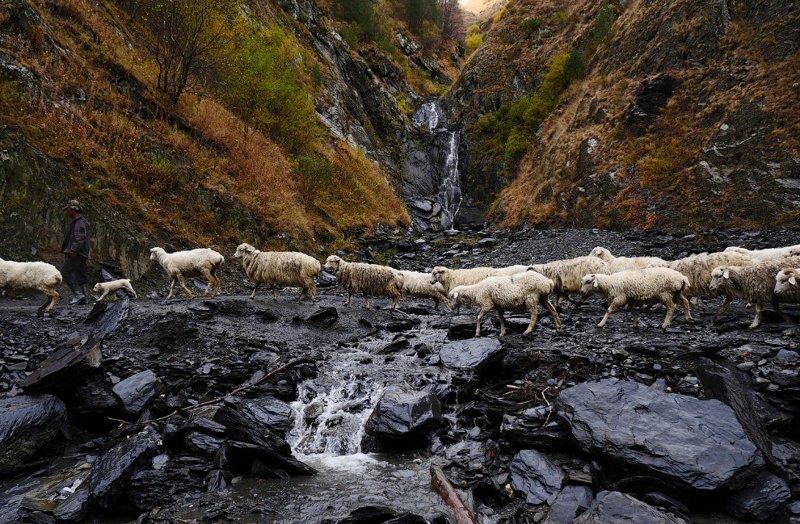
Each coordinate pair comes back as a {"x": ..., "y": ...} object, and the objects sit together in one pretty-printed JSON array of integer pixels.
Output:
[
  {"x": 210, "y": 280},
  {"x": 725, "y": 305},
  {"x": 274, "y": 293},
  {"x": 635, "y": 316},
  {"x": 686, "y": 305},
  {"x": 777, "y": 308},
  {"x": 757, "y": 318},
  {"x": 366, "y": 301},
  {"x": 132, "y": 291},
  {"x": 105, "y": 292},
  {"x": 255, "y": 288},
  {"x": 52, "y": 298},
  {"x": 347, "y": 300},
  {"x": 670, "y": 305},
  {"x": 545, "y": 302},
  {"x": 183, "y": 285},
  {"x": 171, "y": 288},
  {"x": 312, "y": 288},
  {"x": 534, "y": 317},
  {"x": 502, "y": 322},
  {"x": 612, "y": 306},
  {"x": 483, "y": 311},
  {"x": 395, "y": 299}
]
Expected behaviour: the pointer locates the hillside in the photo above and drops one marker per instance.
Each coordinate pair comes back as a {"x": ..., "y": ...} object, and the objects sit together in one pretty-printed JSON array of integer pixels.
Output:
[
  {"x": 286, "y": 133},
  {"x": 635, "y": 114}
]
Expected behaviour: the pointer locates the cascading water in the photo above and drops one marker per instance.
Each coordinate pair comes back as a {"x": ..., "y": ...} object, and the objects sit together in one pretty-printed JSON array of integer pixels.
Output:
[{"x": 449, "y": 195}]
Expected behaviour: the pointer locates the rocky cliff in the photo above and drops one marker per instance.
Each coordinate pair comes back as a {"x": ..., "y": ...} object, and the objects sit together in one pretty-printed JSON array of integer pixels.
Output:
[{"x": 675, "y": 115}]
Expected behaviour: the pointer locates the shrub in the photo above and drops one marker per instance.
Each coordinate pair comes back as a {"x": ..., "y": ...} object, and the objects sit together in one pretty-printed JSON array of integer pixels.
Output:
[
  {"x": 473, "y": 42},
  {"x": 531, "y": 25},
  {"x": 361, "y": 14}
]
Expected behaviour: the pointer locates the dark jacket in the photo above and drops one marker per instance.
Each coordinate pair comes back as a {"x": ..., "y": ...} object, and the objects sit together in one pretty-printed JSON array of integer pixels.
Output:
[{"x": 77, "y": 238}]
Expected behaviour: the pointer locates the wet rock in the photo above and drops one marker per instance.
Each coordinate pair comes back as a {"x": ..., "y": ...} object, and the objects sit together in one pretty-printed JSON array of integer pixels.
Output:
[
  {"x": 461, "y": 328},
  {"x": 400, "y": 418},
  {"x": 64, "y": 369},
  {"x": 136, "y": 391},
  {"x": 613, "y": 506},
  {"x": 570, "y": 502},
  {"x": 324, "y": 317},
  {"x": 535, "y": 475},
  {"x": 96, "y": 394},
  {"x": 27, "y": 423},
  {"x": 261, "y": 461},
  {"x": 400, "y": 322},
  {"x": 257, "y": 417},
  {"x": 375, "y": 515},
  {"x": 203, "y": 443},
  {"x": 532, "y": 429},
  {"x": 110, "y": 476},
  {"x": 476, "y": 354},
  {"x": 761, "y": 499},
  {"x": 216, "y": 481},
  {"x": 689, "y": 443},
  {"x": 152, "y": 488}
]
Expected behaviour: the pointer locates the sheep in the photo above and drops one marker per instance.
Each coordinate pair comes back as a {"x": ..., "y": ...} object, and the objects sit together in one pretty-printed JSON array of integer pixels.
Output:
[
  {"x": 786, "y": 280},
  {"x": 518, "y": 292},
  {"x": 773, "y": 253},
  {"x": 450, "y": 278},
  {"x": 625, "y": 263},
  {"x": 370, "y": 279},
  {"x": 107, "y": 287},
  {"x": 31, "y": 276},
  {"x": 274, "y": 267},
  {"x": 698, "y": 268},
  {"x": 640, "y": 286},
  {"x": 419, "y": 285},
  {"x": 756, "y": 284},
  {"x": 567, "y": 273},
  {"x": 202, "y": 262}
]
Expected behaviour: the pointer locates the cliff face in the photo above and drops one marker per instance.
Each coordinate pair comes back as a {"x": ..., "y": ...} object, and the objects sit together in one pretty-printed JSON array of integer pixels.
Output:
[{"x": 678, "y": 115}]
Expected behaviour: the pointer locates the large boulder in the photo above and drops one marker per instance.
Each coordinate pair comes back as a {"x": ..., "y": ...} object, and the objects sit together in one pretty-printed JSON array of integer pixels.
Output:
[
  {"x": 686, "y": 442},
  {"x": 764, "y": 496},
  {"x": 475, "y": 354},
  {"x": 613, "y": 506},
  {"x": 27, "y": 423},
  {"x": 535, "y": 475},
  {"x": 268, "y": 412},
  {"x": 136, "y": 391},
  {"x": 400, "y": 418}
]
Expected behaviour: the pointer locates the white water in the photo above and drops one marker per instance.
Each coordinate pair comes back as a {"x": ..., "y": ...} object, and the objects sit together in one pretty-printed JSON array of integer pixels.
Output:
[{"x": 449, "y": 195}]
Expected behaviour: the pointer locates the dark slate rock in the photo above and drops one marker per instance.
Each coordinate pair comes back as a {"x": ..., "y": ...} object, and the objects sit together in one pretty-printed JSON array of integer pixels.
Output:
[
  {"x": 685, "y": 441},
  {"x": 260, "y": 461},
  {"x": 64, "y": 369},
  {"x": 613, "y": 506},
  {"x": 27, "y": 423},
  {"x": 475, "y": 353},
  {"x": 152, "y": 488},
  {"x": 254, "y": 420},
  {"x": 401, "y": 417},
  {"x": 203, "y": 443},
  {"x": 761, "y": 499},
  {"x": 377, "y": 514},
  {"x": 535, "y": 475},
  {"x": 96, "y": 394},
  {"x": 324, "y": 317},
  {"x": 532, "y": 429},
  {"x": 136, "y": 391},
  {"x": 570, "y": 502}
]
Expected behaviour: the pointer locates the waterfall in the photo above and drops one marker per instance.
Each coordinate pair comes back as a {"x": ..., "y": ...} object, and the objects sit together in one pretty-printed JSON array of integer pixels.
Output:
[{"x": 449, "y": 195}]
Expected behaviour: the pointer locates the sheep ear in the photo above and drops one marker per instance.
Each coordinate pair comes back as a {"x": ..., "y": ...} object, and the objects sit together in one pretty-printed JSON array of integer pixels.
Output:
[
  {"x": 726, "y": 274},
  {"x": 792, "y": 280},
  {"x": 594, "y": 283}
]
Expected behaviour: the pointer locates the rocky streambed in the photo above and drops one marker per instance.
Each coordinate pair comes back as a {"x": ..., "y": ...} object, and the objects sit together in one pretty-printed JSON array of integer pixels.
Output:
[{"x": 231, "y": 410}]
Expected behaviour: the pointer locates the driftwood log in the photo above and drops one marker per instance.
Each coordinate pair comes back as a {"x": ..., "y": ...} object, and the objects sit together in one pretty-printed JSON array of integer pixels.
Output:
[{"x": 445, "y": 489}]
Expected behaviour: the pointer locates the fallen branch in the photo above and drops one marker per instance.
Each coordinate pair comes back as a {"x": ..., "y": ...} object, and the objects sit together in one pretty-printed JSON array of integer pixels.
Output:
[
  {"x": 450, "y": 497},
  {"x": 236, "y": 391}
]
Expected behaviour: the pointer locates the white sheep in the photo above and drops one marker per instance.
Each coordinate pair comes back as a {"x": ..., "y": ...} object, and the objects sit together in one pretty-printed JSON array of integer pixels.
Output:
[
  {"x": 31, "y": 277},
  {"x": 756, "y": 284},
  {"x": 773, "y": 253},
  {"x": 567, "y": 273},
  {"x": 288, "y": 268},
  {"x": 450, "y": 278},
  {"x": 786, "y": 280},
  {"x": 625, "y": 263},
  {"x": 640, "y": 286},
  {"x": 419, "y": 285},
  {"x": 201, "y": 262},
  {"x": 370, "y": 279},
  {"x": 518, "y": 292},
  {"x": 108, "y": 287},
  {"x": 697, "y": 268}
]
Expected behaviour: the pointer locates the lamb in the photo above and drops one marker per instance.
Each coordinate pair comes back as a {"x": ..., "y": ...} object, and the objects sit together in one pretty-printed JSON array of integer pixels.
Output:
[
  {"x": 275, "y": 267},
  {"x": 518, "y": 292},
  {"x": 202, "y": 262},
  {"x": 419, "y": 285},
  {"x": 107, "y": 287},
  {"x": 756, "y": 284},
  {"x": 786, "y": 280},
  {"x": 640, "y": 286},
  {"x": 698, "y": 268},
  {"x": 450, "y": 278},
  {"x": 773, "y": 253},
  {"x": 567, "y": 273},
  {"x": 370, "y": 279},
  {"x": 625, "y": 263},
  {"x": 31, "y": 277}
]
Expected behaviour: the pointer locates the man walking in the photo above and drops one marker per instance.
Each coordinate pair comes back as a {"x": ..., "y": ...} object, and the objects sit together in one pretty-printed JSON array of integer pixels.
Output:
[{"x": 76, "y": 251}]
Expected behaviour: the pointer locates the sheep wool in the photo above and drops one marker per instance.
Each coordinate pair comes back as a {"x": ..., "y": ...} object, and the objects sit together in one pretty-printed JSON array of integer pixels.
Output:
[
  {"x": 31, "y": 277},
  {"x": 108, "y": 287},
  {"x": 756, "y": 284},
  {"x": 773, "y": 253},
  {"x": 625, "y": 263},
  {"x": 369, "y": 279},
  {"x": 273, "y": 268},
  {"x": 642, "y": 286},
  {"x": 567, "y": 273},
  {"x": 201, "y": 262},
  {"x": 419, "y": 285}
]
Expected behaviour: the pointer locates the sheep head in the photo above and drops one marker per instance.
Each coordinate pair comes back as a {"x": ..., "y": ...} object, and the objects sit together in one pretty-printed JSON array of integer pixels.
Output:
[
  {"x": 785, "y": 280},
  {"x": 156, "y": 252},
  {"x": 602, "y": 253},
  {"x": 242, "y": 249},
  {"x": 97, "y": 287},
  {"x": 332, "y": 263},
  {"x": 438, "y": 274},
  {"x": 720, "y": 277},
  {"x": 589, "y": 284}
]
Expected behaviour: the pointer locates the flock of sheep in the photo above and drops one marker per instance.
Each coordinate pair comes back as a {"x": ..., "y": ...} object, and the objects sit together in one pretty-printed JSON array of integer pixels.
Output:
[{"x": 767, "y": 276}]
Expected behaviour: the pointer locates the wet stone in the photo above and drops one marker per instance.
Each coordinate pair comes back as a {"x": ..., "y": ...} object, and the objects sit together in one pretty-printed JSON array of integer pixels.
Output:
[
  {"x": 474, "y": 354},
  {"x": 203, "y": 443},
  {"x": 535, "y": 475},
  {"x": 570, "y": 502},
  {"x": 324, "y": 317},
  {"x": 401, "y": 417},
  {"x": 688, "y": 442},
  {"x": 27, "y": 423},
  {"x": 136, "y": 391},
  {"x": 761, "y": 499},
  {"x": 613, "y": 506}
]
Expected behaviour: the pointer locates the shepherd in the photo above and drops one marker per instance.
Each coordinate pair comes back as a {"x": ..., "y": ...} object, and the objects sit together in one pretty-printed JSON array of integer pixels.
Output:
[{"x": 76, "y": 252}]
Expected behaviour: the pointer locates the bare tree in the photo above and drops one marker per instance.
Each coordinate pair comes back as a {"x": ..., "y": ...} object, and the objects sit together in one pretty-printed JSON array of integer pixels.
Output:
[{"x": 450, "y": 13}]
